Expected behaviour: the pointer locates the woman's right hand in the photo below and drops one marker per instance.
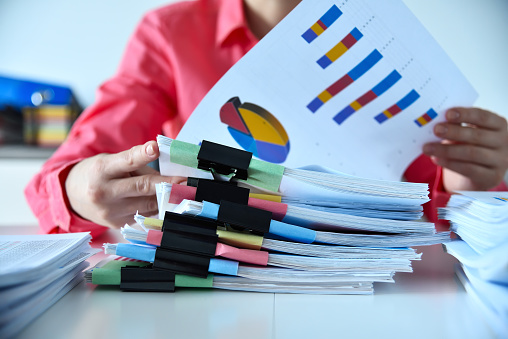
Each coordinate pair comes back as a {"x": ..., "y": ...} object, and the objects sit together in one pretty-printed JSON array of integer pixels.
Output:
[{"x": 108, "y": 189}]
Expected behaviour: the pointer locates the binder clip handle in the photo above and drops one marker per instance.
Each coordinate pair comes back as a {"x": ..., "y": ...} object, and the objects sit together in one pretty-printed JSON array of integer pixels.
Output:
[{"x": 225, "y": 160}]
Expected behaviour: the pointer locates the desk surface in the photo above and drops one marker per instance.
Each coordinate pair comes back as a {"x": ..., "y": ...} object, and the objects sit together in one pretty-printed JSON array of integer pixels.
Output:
[{"x": 428, "y": 303}]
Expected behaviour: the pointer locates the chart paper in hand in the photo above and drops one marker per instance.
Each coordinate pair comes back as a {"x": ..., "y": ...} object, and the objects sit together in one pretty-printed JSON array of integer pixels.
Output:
[{"x": 356, "y": 86}]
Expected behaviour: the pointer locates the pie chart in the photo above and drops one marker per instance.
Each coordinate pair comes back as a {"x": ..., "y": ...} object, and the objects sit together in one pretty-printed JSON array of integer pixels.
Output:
[{"x": 256, "y": 130}]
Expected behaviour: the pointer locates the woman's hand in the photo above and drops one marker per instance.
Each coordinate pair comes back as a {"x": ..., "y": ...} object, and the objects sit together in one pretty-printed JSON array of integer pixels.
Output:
[
  {"x": 108, "y": 189},
  {"x": 474, "y": 149}
]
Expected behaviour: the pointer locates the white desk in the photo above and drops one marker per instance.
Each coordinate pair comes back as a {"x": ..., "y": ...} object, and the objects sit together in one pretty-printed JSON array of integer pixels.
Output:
[{"x": 428, "y": 303}]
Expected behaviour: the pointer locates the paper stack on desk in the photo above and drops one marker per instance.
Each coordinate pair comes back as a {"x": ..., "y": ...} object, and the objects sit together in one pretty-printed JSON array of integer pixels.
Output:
[
  {"x": 219, "y": 230},
  {"x": 35, "y": 272},
  {"x": 480, "y": 219}
]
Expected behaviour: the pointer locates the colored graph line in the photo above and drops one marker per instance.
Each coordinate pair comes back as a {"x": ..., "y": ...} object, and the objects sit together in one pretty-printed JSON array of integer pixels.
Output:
[
  {"x": 502, "y": 199},
  {"x": 345, "y": 81},
  {"x": 322, "y": 24},
  {"x": 401, "y": 105},
  {"x": 342, "y": 47},
  {"x": 375, "y": 92},
  {"x": 426, "y": 118}
]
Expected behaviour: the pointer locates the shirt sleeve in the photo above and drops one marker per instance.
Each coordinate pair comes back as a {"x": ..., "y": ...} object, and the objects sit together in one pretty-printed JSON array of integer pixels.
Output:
[
  {"x": 129, "y": 110},
  {"x": 425, "y": 171}
]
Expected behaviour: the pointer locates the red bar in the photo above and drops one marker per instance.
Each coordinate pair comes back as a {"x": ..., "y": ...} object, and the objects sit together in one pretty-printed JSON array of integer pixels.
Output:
[
  {"x": 394, "y": 109},
  {"x": 278, "y": 209},
  {"x": 349, "y": 40},
  {"x": 320, "y": 23},
  {"x": 426, "y": 117},
  {"x": 180, "y": 192},
  {"x": 244, "y": 255},
  {"x": 339, "y": 85},
  {"x": 154, "y": 237},
  {"x": 366, "y": 98}
]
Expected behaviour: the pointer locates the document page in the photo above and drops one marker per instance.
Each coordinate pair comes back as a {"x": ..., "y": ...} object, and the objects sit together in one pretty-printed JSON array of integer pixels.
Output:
[
  {"x": 25, "y": 257},
  {"x": 356, "y": 86}
]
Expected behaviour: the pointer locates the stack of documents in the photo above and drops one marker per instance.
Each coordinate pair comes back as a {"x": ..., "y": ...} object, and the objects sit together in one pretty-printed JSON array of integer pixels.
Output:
[
  {"x": 480, "y": 219},
  {"x": 264, "y": 232},
  {"x": 35, "y": 272}
]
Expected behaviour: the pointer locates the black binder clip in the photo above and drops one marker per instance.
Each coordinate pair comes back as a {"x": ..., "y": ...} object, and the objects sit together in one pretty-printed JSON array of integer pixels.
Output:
[
  {"x": 243, "y": 217},
  {"x": 189, "y": 243},
  {"x": 224, "y": 160},
  {"x": 188, "y": 224},
  {"x": 215, "y": 191},
  {"x": 182, "y": 263},
  {"x": 146, "y": 279}
]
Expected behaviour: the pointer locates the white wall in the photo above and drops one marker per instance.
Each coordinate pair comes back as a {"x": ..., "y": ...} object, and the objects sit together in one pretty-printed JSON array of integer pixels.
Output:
[
  {"x": 474, "y": 34},
  {"x": 75, "y": 43},
  {"x": 79, "y": 43}
]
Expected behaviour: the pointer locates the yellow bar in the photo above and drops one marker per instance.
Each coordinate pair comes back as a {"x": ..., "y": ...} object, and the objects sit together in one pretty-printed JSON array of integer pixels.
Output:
[
  {"x": 324, "y": 96},
  {"x": 422, "y": 121},
  {"x": 268, "y": 197},
  {"x": 336, "y": 51},
  {"x": 356, "y": 105},
  {"x": 317, "y": 28},
  {"x": 153, "y": 223},
  {"x": 52, "y": 134},
  {"x": 54, "y": 112},
  {"x": 388, "y": 114},
  {"x": 244, "y": 240}
]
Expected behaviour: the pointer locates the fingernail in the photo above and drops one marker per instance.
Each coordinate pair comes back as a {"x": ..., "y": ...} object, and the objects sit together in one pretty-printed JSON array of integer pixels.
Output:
[
  {"x": 440, "y": 129},
  {"x": 452, "y": 114},
  {"x": 150, "y": 151}
]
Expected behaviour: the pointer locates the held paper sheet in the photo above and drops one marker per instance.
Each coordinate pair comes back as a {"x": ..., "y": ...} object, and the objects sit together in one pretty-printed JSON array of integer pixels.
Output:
[{"x": 356, "y": 86}]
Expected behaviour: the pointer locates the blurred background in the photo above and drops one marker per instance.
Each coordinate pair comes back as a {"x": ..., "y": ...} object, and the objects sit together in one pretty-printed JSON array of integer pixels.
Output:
[{"x": 75, "y": 45}]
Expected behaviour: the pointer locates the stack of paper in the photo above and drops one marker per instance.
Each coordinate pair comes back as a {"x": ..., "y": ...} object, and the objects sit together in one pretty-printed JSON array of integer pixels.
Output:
[
  {"x": 480, "y": 219},
  {"x": 291, "y": 103},
  {"x": 256, "y": 242},
  {"x": 35, "y": 272}
]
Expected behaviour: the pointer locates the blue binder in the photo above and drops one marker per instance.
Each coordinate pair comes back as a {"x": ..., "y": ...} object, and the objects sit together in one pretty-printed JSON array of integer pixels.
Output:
[{"x": 19, "y": 93}]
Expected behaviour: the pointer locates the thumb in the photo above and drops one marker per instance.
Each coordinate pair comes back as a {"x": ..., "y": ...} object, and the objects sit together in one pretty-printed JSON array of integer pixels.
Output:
[{"x": 131, "y": 160}]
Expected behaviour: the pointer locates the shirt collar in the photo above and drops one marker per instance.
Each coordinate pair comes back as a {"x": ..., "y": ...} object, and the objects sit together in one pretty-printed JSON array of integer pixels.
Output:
[{"x": 231, "y": 17}]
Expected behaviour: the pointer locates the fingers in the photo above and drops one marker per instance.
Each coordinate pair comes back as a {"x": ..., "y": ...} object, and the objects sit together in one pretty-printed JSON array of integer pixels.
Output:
[
  {"x": 138, "y": 186},
  {"x": 146, "y": 206},
  {"x": 448, "y": 153},
  {"x": 473, "y": 126},
  {"x": 126, "y": 208},
  {"x": 177, "y": 180},
  {"x": 469, "y": 170},
  {"x": 477, "y": 117},
  {"x": 469, "y": 135},
  {"x": 117, "y": 165}
]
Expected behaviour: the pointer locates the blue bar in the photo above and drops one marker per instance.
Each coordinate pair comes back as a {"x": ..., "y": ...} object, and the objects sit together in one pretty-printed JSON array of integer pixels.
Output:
[
  {"x": 381, "y": 117},
  {"x": 331, "y": 15},
  {"x": 314, "y": 105},
  {"x": 309, "y": 35},
  {"x": 137, "y": 252},
  {"x": 408, "y": 100},
  {"x": 324, "y": 62},
  {"x": 222, "y": 266},
  {"x": 356, "y": 34},
  {"x": 386, "y": 83},
  {"x": 431, "y": 113},
  {"x": 209, "y": 210},
  {"x": 344, "y": 114},
  {"x": 292, "y": 232},
  {"x": 365, "y": 65}
]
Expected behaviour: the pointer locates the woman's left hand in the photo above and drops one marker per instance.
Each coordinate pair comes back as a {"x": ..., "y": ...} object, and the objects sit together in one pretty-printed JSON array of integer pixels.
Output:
[{"x": 474, "y": 149}]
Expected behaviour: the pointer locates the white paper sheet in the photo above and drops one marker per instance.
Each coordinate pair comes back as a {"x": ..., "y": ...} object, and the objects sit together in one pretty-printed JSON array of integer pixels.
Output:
[{"x": 281, "y": 76}]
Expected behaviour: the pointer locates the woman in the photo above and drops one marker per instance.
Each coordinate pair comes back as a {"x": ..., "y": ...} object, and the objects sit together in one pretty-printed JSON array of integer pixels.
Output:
[{"x": 99, "y": 176}]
